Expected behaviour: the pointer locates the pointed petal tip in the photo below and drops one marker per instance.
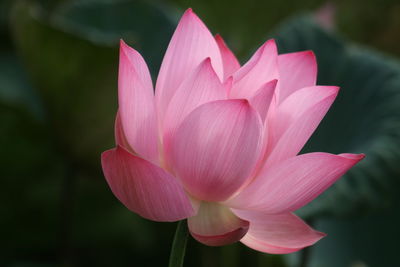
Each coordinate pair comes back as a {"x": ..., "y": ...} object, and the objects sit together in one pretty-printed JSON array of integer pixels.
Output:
[
  {"x": 308, "y": 53},
  {"x": 270, "y": 42},
  {"x": 356, "y": 157},
  {"x": 123, "y": 45},
  {"x": 272, "y": 82},
  {"x": 207, "y": 61},
  {"x": 189, "y": 13}
]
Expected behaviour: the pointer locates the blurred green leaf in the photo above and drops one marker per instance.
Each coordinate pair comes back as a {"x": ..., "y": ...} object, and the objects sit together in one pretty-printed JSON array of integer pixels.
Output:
[
  {"x": 146, "y": 27},
  {"x": 15, "y": 89},
  {"x": 32, "y": 171},
  {"x": 358, "y": 242},
  {"x": 365, "y": 118}
]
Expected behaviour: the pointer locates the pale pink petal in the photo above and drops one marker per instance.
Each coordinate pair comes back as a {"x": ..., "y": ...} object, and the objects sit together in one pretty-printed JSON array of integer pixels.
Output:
[
  {"x": 277, "y": 234},
  {"x": 293, "y": 183},
  {"x": 216, "y": 225},
  {"x": 261, "y": 100},
  {"x": 215, "y": 148},
  {"x": 296, "y": 119},
  {"x": 191, "y": 43},
  {"x": 229, "y": 60},
  {"x": 145, "y": 188},
  {"x": 296, "y": 70},
  {"x": 136, "y": 104},
  {"x": 202, "y": 86},
  {"x": 261, "y": 68}
]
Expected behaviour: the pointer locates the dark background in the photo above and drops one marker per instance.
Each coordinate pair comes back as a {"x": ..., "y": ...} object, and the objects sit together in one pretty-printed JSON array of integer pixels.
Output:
[{"x": 58, "y": 91}]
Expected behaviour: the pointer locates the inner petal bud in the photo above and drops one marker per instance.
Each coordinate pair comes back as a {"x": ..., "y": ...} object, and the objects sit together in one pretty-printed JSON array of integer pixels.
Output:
[{"x": 216, "y": 225}]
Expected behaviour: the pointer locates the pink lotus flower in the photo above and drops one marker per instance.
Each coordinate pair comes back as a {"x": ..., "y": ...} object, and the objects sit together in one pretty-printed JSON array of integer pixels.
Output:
[{"x": 218, "y": 143}]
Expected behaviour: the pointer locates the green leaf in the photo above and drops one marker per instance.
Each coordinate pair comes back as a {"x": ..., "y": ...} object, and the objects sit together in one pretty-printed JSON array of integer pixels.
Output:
[
  {"x": 365, "y": 118},
  {"x": 365, "y": 241},
  {"x": 104, "y": 22}
]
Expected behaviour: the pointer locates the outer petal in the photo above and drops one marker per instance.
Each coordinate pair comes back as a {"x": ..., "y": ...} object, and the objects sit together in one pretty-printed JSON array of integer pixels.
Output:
[
  {"x": 261, "y": 100},
  {"x": 296, "y": 119},
  {"x": 120, "y": 138},
  {"x": 295, "y": 182},
  {"x": 296, "y": 70},
  {"x": 136, "y": 104},
  {"x": 229, "y": 61},
  {"x": 190, "y": 45},
  {"x": 201, "y": 87},
  {"x": 261, "y": 68},
  {"x": 277, "y": 234},
  {"x": 145, "y": 188},
  {"x": 216, "y": 225},
  {"x": 215, "y": 148}
]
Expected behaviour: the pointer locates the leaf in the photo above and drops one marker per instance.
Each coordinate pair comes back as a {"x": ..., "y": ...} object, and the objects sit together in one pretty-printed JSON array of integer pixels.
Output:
[
  {"x": 365, "y": 241},
  {"x": 365, "y": 118},
  {"x": 145, "y": 26}
]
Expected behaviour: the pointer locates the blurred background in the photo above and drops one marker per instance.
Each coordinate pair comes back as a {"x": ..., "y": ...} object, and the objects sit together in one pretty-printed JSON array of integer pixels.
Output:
[{"x": 58, "y": 98}]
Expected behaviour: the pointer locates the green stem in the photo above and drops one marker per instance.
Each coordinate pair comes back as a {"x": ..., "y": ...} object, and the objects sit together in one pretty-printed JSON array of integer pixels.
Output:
[{"x": 178, "y": 249}]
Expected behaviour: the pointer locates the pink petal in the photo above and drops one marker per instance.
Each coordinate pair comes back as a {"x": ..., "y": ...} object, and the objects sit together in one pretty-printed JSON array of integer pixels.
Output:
[
  {"x": 136, "y": 104},
  {"x": 120, "y": 138},
  {"x": 296, "y": 119},
  {"x": 145, "y": 188},
  {"x": 293, "y": 183},
  {"x": 216, "y": 225},
  {"x": 296, "y": 70},
  {"x": 191, "y": 43},
  {"x": 261, "y": 100},
  {"x": 261, "y": 68},
  {"x": 277, "y": 234},
  {"x": 215, "y": 148},
  {"x": 229, "y": 61},
  {"x": 202, "y": 86}
]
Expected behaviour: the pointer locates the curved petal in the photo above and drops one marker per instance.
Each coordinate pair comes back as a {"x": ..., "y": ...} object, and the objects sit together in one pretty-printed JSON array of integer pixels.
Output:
[
  {"x": 145, "y": 188},
  {"x": 120, "y": 138},
  {"x": 293, "y": 183},
  {"x": 296, "y": 119},
  {"x": 201, "y": 87},
  {"x": 136, "y": 104},
  {"x": 261, "y": 100},
  {"x": 296, "y": 70},
  {"x": 216, "y": 225},
  {"x": 277, "y": 234},
  {"x": 261, "y": 68},
  {"x": 215, "y": 148},
  {"x": 229, "y": 61},
  {"x": 191, "y": 43}
]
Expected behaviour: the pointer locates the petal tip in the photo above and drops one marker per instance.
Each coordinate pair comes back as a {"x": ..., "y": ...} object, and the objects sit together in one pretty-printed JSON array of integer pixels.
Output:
[
  {"x": 190, "y": 14},
  {"x": 355, "y": 157}
]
